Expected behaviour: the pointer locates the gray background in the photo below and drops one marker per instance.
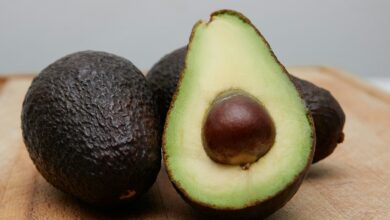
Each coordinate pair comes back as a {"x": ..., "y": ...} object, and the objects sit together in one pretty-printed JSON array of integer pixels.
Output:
[{"x": 352, "y": 35}]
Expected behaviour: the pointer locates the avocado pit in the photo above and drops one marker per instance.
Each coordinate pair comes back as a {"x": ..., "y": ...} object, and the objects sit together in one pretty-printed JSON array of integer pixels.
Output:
[{"x": 237, "y": 130}]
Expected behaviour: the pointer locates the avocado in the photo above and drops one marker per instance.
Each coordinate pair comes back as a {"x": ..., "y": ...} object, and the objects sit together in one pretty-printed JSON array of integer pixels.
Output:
[
  {"x": 238, "y": 138},
  {"x": 328, "y": 116},
  {"x": 327, "y": 113},
  {"x": 91, "y": 126},
  {"x": 164, "y": 76}
]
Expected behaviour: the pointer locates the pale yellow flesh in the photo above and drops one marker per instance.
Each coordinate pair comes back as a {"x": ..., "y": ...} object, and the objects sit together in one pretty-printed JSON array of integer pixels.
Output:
[{"x": 228, "y": 54}]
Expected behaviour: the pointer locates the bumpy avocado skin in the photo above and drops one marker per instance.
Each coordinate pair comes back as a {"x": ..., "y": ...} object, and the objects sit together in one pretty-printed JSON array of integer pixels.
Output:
[
  {"x": 164, "y": 77},
  {"x": 91, "y": 126},
  {"x": 327, "y": 113},
  {"x": 328, "y": 117}
]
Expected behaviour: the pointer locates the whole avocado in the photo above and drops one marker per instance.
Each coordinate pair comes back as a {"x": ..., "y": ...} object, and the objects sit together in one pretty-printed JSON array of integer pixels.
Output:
[
  {"x": 328, "y": 117},
  {"x": 91, "y": 126},
  {"x": 327, "y": 113}
]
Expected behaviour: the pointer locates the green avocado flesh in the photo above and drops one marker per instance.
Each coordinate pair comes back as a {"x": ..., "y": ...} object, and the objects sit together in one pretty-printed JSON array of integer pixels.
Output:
[{"x": 224, "y": 55}]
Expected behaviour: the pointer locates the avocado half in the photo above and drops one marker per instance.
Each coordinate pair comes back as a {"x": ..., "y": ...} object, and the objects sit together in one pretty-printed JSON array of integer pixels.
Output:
[
  {"x": 91, "y": 126},
  {"x": 238, "y": 139},
  {"x": 327, "y": 113}
]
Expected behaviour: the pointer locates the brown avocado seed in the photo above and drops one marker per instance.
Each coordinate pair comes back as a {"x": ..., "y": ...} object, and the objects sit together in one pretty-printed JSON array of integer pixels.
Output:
[{"x": 237, "y": 130}]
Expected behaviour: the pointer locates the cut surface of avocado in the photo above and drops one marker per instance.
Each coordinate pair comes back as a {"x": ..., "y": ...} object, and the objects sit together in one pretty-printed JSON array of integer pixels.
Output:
[{"x": 229, "y": 54}]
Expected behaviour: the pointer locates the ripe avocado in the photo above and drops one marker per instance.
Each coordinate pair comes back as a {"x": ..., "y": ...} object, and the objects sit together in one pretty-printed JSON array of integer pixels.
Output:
[
  {"x": 327, "y": 113},
  {"x": 91, "y": 126},
  {"x": 238, "y": 139},
  {"x": 328, "y": 116}
]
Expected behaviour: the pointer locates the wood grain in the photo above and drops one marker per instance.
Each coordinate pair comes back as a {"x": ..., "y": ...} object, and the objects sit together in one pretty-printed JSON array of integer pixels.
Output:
[{"x": 353, "y": 183}]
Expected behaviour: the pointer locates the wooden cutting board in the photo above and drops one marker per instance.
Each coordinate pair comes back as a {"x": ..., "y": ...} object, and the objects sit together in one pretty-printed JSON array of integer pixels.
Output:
[{"x": 354, "y": 183}]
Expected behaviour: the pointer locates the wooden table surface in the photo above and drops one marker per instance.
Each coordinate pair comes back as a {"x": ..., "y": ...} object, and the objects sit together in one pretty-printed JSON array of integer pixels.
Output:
[{"x": 353, "y": 183}]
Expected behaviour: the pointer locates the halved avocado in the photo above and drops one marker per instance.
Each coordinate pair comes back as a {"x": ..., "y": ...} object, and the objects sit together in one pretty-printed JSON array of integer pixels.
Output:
[
  {"x": 217, "y": 158},
  {"x": 328, "y": 115}
]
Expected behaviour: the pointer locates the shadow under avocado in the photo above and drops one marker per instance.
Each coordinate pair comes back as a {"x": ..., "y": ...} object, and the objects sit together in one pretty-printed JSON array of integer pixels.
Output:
[{"x": 324, "y": 170}]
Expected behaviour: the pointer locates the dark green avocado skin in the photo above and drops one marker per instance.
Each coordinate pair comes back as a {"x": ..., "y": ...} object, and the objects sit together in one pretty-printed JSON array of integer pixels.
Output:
[
  {"x": 164, "y": 76},
  {"x": 328, "y": 117},
  {"x": 91, "y": 126},
  {"x": 327, "y": 113}
]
